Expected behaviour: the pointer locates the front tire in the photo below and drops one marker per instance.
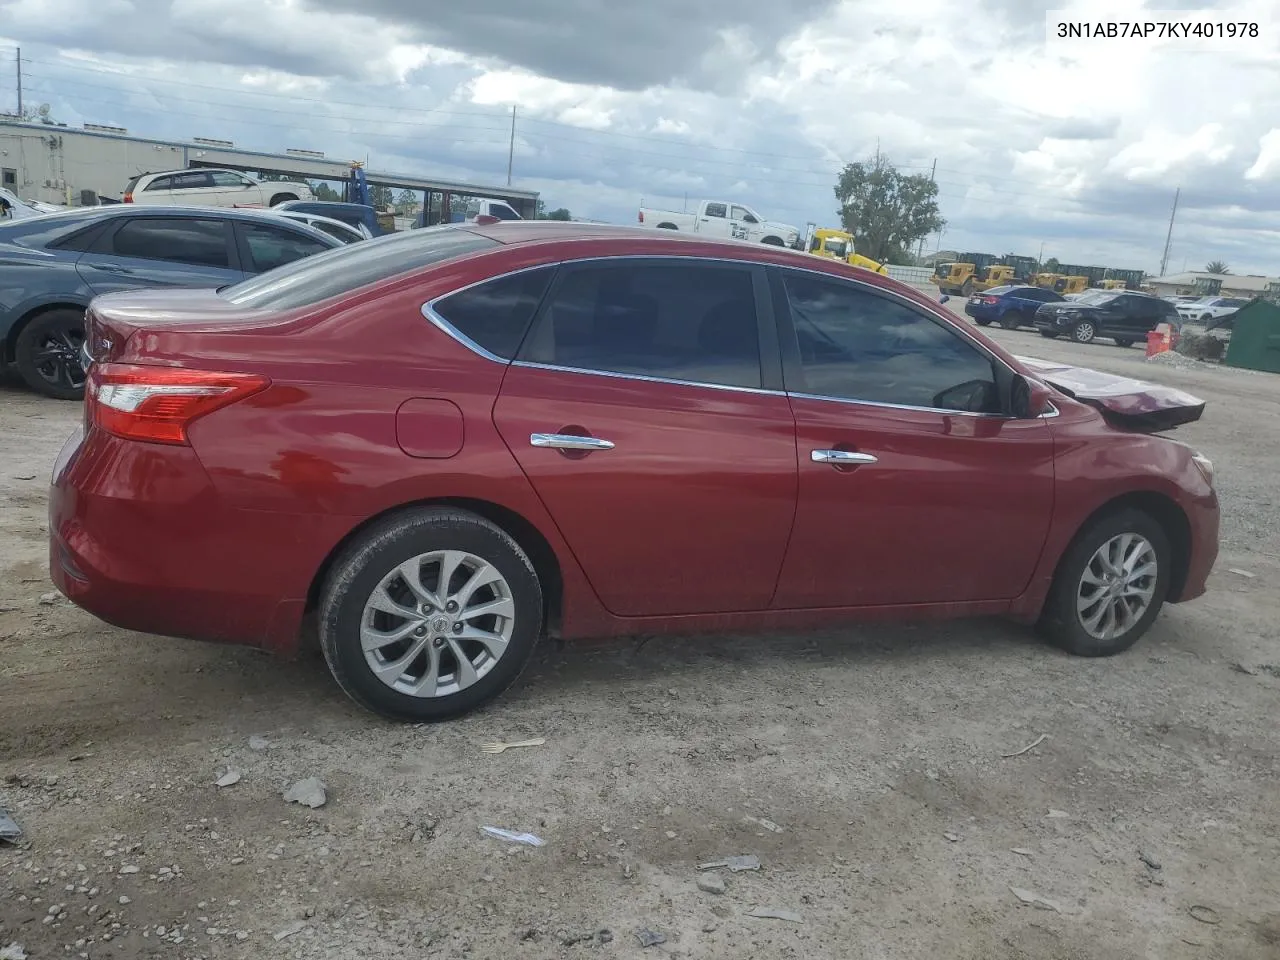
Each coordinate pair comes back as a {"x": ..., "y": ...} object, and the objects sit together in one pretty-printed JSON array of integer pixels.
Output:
[
  {"x": 1012, "y": 320},
  {"x": 1110, "y": 585},
  {"x": 430, "y": 614},
  {"x": 47, "y": 354},
  {"x": 1123, "y": 342},
  {"x": 1084, "y": 332}
]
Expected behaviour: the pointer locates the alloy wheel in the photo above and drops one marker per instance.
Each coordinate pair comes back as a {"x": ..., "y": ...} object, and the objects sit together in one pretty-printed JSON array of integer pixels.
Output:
[
  {"x": 437, "y": 623},
  {"x": 1117, "y": 586},
  {"x": 1084, "y": 331},
  {"x": 57, "y": 358}
]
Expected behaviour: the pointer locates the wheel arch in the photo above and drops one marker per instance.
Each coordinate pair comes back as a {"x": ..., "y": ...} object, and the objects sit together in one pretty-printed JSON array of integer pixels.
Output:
[
  {"x": 531, "y": 540},
  {"x": 15, "y": 329},
  {"x": 283, "y": 196},
  {"x": 1166, "y": 512}
]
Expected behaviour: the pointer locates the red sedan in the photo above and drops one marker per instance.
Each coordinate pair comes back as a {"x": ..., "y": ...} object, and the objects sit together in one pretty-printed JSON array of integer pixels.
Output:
[{"x": 449, "y": 442}]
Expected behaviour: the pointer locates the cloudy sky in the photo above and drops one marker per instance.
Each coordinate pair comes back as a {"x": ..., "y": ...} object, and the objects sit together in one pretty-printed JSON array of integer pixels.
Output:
[{"x": 1078, "y": 145}]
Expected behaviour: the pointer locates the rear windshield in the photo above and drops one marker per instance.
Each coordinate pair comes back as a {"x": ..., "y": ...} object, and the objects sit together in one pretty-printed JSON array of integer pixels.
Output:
[
  {"x": 999, "y": 291},
  {"x": 312, "y": 279}
]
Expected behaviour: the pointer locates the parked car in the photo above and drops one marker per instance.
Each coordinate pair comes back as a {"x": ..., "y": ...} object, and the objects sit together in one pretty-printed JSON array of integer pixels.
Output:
[
  {"x": 52, "y": 266},
  {"x": 1204, "y": 309},
  {"x": 449, "y": 442},
  {"x": 335, "y": 228},
  {"x": 1125, "y": 317},
  {"x": 201, "y": 187},
  {"x": 719, "y": 218},
  {"x": 1009, "y": 307},
  {"x": 361, "y": 216},
  {"x": 14, "y": 208}
]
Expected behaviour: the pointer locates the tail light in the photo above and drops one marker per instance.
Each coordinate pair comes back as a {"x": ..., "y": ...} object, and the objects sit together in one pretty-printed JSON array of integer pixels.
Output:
[
  {"x": 128, "y": 197},
  {"x": 990, "y": 299},
  {"x": 159, "y": 404},
  {"x": 642, "y": 216}
]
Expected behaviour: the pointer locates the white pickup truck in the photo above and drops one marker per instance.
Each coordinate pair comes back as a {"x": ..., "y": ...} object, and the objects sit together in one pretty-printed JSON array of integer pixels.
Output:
[{"x": 721, "y": 219}]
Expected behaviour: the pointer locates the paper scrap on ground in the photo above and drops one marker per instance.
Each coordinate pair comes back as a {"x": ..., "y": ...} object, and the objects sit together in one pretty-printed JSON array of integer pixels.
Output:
[{"x": 530, "y": 839}]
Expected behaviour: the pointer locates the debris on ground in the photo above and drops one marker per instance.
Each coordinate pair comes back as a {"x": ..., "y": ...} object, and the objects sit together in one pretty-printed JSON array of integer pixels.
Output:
[
  {"x": 1030, "y": 746},
  {"x": 747, "y": 862},
  {"x": 13, "y": 951},
  {"x": 711, "y": 883},
  {"x": 1034, "y": 899},
  {"x": 9, "y": 829},
  {"x": 529, "y": 839},
  {"x": 650, "y": 938},
  {"x": 1242, "y": 573},
  {"x": 1204, "y": 914},
  {"x": 309, "y": 792},
  {"x": 257, "y": 742},
  {"x": 294, "y": 928},
  {"x": 49, "y": 599},
  {"x": 1022, "y": 851},
  {"x": 228, "y": 779},
  {"x": 775, "y": 913},
  {"x": 762, "y": 822},
  {"x": 953, "y": 837},
  {"x": 1057, "y": 814},
  {"x": 1149, "y": 860},
  {"x": 1246, "y": 670},
  {"x": 597, "y": 938},
  {"x": 497, "y": 746}
]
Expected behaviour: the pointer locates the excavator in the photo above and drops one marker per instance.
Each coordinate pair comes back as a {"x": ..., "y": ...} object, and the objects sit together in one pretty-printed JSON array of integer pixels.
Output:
[{"x": 838, "y": 245}]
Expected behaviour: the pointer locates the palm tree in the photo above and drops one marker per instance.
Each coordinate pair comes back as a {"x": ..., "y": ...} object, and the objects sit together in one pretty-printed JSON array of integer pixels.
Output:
[{"x": 1216, "y": 266}]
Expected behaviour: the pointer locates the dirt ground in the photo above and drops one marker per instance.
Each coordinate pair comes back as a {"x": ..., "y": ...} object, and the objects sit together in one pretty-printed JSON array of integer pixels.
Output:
[{"x": 865, "y": 767}]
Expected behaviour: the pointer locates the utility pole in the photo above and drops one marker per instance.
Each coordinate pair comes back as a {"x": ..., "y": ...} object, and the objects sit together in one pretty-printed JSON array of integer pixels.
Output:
[
  {"x": 511, "y": 147},
  {"x": 18, "y": 62},
  {"x": 920, "y": 246},
  {"x": 1164, "y": 261},
  {"x": 1040, "y": 257}
]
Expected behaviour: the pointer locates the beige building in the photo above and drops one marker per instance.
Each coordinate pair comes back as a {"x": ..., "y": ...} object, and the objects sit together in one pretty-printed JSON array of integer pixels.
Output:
[{"x": 1194, "y": 282}]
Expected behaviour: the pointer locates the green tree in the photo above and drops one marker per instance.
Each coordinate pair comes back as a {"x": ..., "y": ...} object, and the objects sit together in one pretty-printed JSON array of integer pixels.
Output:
[
  {"x": 887, "y": 211},
  {"x": 381, "y": 196},
  {"x": 406, "y": 200},
  {"x": 560, "y": 213},
  {"x": 323, "y": 191},
  {"x": 1216, "y": 266}
]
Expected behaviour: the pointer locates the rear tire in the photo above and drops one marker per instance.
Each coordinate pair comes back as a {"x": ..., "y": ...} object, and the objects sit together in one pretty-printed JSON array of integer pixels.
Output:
[
  {"x": 1013, "y": 320},
  {"x": 982, "y": 322},
  {"x": 1123, "y": 342},
  {"x": 47, "y": 354},
  {"x": 280, "y": 198},
  {"x": 1068, "y": 612},
  {"x": 418, "y": 635}
]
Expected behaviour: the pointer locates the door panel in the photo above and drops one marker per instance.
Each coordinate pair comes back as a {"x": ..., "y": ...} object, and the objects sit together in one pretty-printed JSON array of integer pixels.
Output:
[
  {"x": 955, "y": 507},
  {"x": 690, "y": 510},
  {"x": 953, "y": 501}
]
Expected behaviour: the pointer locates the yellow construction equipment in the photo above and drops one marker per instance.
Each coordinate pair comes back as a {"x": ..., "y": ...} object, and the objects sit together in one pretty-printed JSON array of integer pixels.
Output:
[
  {"x": 965, "y": 278},
  {"x": 838, "y": 245}
]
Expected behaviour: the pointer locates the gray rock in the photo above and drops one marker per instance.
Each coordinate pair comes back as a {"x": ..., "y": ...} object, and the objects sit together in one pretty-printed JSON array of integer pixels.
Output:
[
  {"x": 711, "y": 883},
  {"x": 309, "y": 792},
  {"x": 228, "y": 779},
  {"x": 650, "y": 938}
]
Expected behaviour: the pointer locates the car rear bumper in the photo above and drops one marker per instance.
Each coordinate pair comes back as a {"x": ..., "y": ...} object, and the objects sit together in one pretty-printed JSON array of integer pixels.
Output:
[{"x": 139, "y": 537}]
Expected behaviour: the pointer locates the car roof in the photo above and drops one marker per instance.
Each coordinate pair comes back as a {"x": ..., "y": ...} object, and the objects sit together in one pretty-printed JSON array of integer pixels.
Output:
[
  {"x": 324, "y": 204},
  {"x": 169, "y": 173},
  {"x": 151, "y": 210}
]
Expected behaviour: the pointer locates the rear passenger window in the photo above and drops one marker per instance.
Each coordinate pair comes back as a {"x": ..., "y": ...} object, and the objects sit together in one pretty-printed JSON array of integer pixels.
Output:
[
  {"x": 199, "y": 242},
  {"x": 495, "y": 315},
  {"x": 674, "y": 321},
  {"x": 271, "y": 247}
]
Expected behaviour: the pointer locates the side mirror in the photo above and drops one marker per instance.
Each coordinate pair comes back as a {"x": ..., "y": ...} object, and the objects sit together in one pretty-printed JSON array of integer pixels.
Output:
[{"x": 1029, "y": 398}]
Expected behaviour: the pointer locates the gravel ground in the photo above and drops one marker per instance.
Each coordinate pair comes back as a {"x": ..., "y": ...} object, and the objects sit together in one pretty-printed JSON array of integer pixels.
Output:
[{"x": 866, "y": 768}]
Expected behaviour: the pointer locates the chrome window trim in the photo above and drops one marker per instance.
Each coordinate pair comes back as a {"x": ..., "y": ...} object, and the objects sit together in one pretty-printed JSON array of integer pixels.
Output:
[{"x": 429, "y": 312}]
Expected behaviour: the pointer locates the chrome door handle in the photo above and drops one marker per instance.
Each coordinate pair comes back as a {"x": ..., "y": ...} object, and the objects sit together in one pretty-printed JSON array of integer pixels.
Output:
[
  {"x": 568, "y": 441},
  {"x": 848, "y": 457}
]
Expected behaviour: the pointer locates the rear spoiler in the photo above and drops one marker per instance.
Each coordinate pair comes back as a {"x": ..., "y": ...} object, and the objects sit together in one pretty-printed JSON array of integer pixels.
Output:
[{"x": 1126, "y": 403}]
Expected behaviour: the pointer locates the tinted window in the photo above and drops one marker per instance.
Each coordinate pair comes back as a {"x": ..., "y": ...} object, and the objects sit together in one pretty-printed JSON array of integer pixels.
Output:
[
  {"x": 494, "y": 315},
  {"x": 857, "y": 345},
  {"x": 343, "y": 233},
  {"x": 159, "y": 183},
  {"x": 715, "y": 210},
  {"x": 271, "y": 247},
  {"x": 677, "y": 321},
  {"x": 191, "y": 181},
  {"x": 503, "y": 212},
  {"x": 200, "y": 242},
  {"x": 223, "y": 178},
  {"x": 338, "y": 271},
  {"x": 132, "y": 184}
]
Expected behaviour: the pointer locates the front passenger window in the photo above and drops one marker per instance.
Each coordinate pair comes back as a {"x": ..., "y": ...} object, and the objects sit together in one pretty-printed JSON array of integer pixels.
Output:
[{"x": 859, "y": 345}]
